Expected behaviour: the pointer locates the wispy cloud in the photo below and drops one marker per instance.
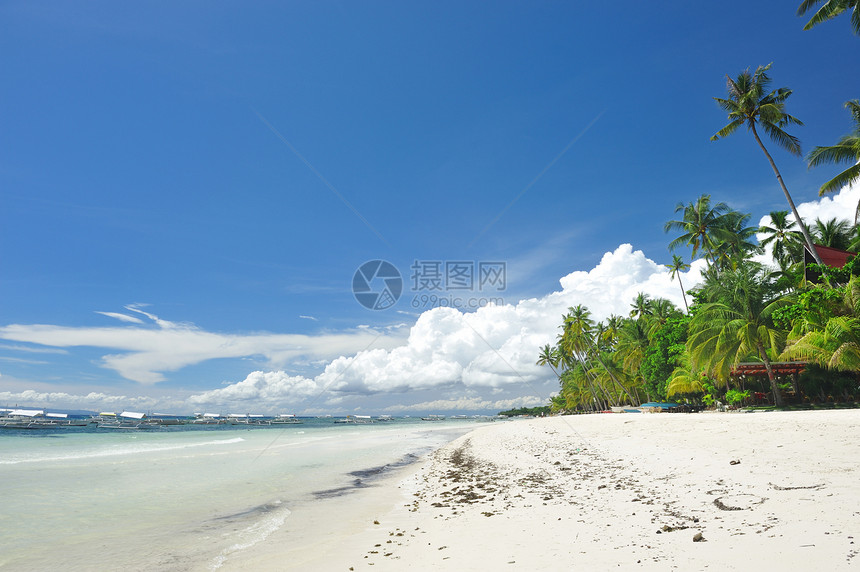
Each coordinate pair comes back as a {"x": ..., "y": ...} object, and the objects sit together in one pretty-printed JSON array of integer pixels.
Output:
[
  {"x": 22, "y": 360},
  {"x": 309, "y": 318},
  {"x": 121, "y": 317},
  {"x": 146, "y": 353},
  {"x": 32, "y": 350}
]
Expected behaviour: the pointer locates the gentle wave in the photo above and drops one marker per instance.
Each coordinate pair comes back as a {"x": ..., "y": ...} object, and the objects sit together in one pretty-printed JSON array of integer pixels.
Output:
[
  {"x": 116, "y": 452},
  {"x": 252, "y": 535}
]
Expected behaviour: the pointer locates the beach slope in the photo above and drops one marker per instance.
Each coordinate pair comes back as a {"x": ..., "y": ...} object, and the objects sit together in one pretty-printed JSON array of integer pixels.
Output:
[{"x": 777, "y": 491}]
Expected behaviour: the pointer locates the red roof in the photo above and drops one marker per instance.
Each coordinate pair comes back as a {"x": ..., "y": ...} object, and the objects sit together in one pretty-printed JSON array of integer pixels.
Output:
[
  {"x": 778, "y": 368},
  {"x": 833, "y": 257}
]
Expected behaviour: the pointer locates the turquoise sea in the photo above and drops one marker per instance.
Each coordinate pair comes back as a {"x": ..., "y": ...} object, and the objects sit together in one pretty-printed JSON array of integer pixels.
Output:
[{"x": 180, "y": 499}]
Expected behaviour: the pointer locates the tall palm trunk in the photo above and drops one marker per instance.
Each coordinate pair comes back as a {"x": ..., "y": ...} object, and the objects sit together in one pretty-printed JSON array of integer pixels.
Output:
[
  {"x": 774, "y": 388},
  {"x": 799, "y": 220},
  {"x": 684, "y": 294}
]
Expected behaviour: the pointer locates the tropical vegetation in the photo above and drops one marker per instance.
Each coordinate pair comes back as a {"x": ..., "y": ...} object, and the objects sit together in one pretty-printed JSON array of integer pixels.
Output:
[
  {"x": 760, "y": 327},
  {"x": 754, "y": 306}
]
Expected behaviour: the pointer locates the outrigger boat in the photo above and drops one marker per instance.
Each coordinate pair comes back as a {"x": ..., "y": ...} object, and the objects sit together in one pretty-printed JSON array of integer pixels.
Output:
[{"x": 286, "y": 419}]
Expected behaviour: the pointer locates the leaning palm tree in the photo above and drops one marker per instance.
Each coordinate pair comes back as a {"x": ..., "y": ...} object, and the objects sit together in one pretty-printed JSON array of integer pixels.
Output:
[
  {"x": 749, "y": 103},
  {"x": 678, "y": 265},
  {"x": 578, "y": 341},
  {"x": 787, "y": 243},
  {"x": 549, "y": 356},
  {"x": 831, "y": 9},
  {"x": 737, "y": 324},
  {"x": 846, "y": 150}
]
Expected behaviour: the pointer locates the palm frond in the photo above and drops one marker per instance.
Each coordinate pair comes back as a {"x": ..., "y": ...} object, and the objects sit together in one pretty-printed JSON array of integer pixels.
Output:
[
  {"x": 830, "y": 9},
  {"x": 727, "y": 130},
  {"x": 841, "y": 180},
  {"x": 788, "y": 142}
]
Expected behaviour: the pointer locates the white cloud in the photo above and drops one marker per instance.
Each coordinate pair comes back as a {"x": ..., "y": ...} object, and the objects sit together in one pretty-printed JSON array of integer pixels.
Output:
[
  {"x": 842, "y": 205},
  {"x": 494, "y": 348},
  {"x": 259, "y": 386},
  {"x": 61, "y": 399},
  {"x": 121, "y": 317},
  {"x": 32, "y": 350},
  {"x": 470, "y": 404},
  {"x": 147, "y": 352}
]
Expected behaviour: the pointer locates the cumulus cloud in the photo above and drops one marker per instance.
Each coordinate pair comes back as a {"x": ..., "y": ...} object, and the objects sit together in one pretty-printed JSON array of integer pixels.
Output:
[{"x": 492, "y": 349}]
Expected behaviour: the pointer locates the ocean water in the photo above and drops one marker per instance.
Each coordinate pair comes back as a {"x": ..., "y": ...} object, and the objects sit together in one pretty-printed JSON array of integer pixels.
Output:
[{"x": 171, "y": 499}]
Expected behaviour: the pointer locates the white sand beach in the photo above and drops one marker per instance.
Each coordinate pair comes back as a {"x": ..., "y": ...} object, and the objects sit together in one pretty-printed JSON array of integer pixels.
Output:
[{"x": 717, "y": 491}]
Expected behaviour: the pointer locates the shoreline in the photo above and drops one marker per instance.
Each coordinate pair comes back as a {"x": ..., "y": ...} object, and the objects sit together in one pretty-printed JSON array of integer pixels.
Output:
[{"x": 612, "y": 491}]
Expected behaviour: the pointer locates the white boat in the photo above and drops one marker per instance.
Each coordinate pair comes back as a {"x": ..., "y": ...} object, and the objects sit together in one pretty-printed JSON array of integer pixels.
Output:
[
  {"x": 124, "y": 420},
  {"x": 355, "y": 419},
  {"x": 433, "y": 418},
  {"x": 36, "y": 419},
  {"x": 286, "y": 419},
  {"x": 208, "y": 419}
]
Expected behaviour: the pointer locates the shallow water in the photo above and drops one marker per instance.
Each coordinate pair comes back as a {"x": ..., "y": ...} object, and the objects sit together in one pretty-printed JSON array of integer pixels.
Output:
[{"x": 183, "y": 500}]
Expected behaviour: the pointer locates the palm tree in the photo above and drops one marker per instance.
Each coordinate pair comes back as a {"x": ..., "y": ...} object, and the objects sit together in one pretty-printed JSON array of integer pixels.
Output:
[
  {"x": 750, "y": 104},
  {"x": 578, "y": 341},
  {"x": 834, "y": 233},
  {"x": 641, "y": 306},
  {"x": 661, "y": 310},
  {"x": 684, "y": 381},
  {"x": 549, "y": 356},
  {"x": 632, "y": 343},
  {"x": 700, "y": 224},
  {"x": 573, "y": 343},
  {"x": 735, "y": 244},
  {"x": 678, "y": 265},
  {"x": 831, "y": 9},
  {"x": 737, "y": 324},
  {"x": 787, "y": 243},
  {"x": 837, "y": 347},
  {"x": 846, "y": 150},
  {"x": 609, "y": 336}
]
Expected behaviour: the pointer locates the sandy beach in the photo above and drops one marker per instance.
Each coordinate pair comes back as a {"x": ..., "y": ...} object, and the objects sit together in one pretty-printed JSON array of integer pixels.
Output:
[{"x": 719, "y": 491}]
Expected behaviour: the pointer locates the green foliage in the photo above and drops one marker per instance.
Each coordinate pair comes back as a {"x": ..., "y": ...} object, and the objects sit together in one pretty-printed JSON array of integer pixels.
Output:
[
  {"x": 820, "y": 384},
  {"x": 664, "y": 353},
  {"x": 811, "y": 309},
  {"x": 709, "y": 398},
  {"x": 535, "y": 411},
  {"x": 838, "y": 275},
  {"x": 736, "y": 396}
]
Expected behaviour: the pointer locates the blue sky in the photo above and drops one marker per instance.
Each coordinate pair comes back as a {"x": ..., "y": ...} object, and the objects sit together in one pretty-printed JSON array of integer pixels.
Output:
[{"x": 209, "y": 176}]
